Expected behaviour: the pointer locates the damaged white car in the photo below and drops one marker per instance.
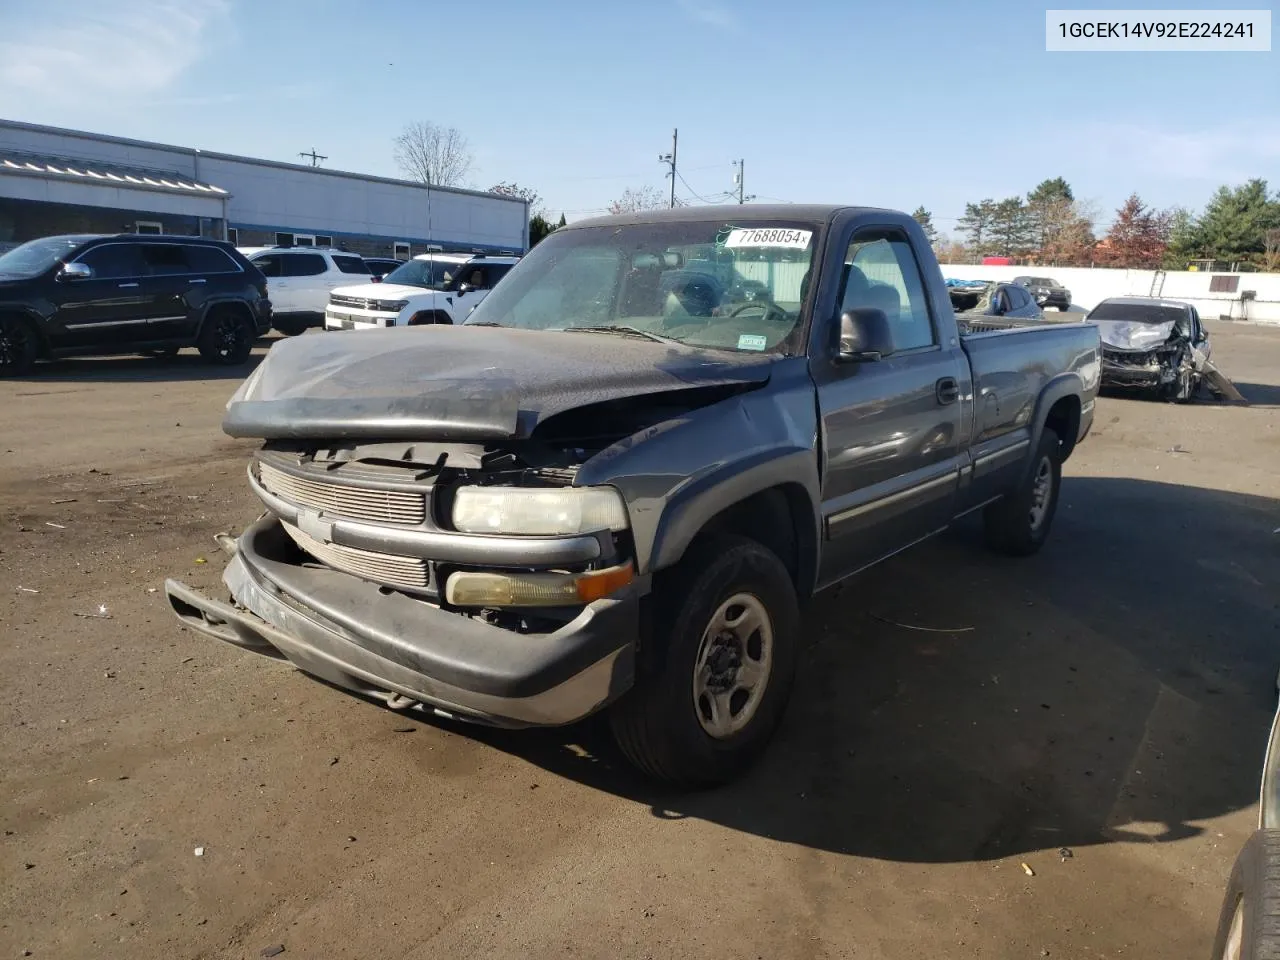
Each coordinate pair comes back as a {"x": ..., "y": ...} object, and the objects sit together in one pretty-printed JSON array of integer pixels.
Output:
[{"x": 1158, "y": 346}]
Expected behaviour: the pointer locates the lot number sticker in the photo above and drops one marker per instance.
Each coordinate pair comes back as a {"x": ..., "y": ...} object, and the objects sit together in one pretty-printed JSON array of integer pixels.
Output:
[
  {"x": 752, "y": 341},
  {"x": 772, "y": 237}
]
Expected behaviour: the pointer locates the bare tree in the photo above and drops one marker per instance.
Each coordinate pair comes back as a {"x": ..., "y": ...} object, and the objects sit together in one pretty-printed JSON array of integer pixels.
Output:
[
  {"x": 637, "y": 198},
  {"x": 431, "y": 154},
  {"x": 527, "y": 194}
]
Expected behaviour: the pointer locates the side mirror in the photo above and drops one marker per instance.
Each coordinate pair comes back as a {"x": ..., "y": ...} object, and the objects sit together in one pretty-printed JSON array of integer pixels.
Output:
[
  {"x": 864, "y": 336},
  {"x": 76, "y": 271},
  {"x": 465, "y": 288}
]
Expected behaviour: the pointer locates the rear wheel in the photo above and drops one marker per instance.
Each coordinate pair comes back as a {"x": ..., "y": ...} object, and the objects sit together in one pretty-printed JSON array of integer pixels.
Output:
[
  {"x": 1019, "y": 524},
  {"x": 290, "y": 328},
  {"x": 19, "y": 346},
  {"x": 717, "y": 680},
  {"x": 226, "y": 337}
]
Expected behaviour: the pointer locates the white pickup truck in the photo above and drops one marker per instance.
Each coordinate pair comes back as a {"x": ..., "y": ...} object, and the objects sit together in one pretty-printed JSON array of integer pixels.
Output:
[{"x": 430, "y": 288}]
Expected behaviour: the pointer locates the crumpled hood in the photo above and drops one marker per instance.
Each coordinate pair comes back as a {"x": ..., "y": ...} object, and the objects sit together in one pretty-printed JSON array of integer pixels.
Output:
[
  {"x": 1127, "y": 335},
  {"x": 444, "y": 382}
]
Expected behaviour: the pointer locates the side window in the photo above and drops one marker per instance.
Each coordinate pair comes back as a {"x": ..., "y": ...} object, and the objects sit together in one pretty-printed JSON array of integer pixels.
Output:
[
  {"x": 302, "y": 264},
  {"x": 210, "y": 260},
  {"x": 476, "y": 277},
  {"x": 351, "y": 264},
  {"x": 497, "y": 271},
  {"x": 115, "y": 261},
  {"x": 881, "y": 272},
  {"x": 269, "y": 265},
  {"x": 165, "y": 258}
]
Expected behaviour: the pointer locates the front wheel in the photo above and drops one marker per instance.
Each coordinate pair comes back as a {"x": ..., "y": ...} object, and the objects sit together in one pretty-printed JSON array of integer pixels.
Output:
[
  {"x": 715, "y": 684},
  {"x": 1018, "y": 524},
  {"x": 226, "y": 337},
  {"x": 18, "y": 347},
  {"x": 1249, "y": 922}
]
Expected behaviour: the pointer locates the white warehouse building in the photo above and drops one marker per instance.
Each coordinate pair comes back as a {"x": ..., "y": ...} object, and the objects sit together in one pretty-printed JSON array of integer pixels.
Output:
[{"x": 55, "y": 181}]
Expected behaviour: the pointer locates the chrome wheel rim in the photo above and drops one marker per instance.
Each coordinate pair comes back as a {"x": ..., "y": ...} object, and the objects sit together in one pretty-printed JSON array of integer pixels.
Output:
[
  {"x": 1231, "y": 949},
  {"x": 733, "y": 665},
  {"x": 1041, "y": 492}
]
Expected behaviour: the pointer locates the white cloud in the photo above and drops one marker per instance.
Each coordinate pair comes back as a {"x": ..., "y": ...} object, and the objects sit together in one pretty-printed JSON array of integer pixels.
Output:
[
  {"x": 125, "y": 50},
  {"x": 1227, "y": 154},
  {"x": 710, "y": 12}
]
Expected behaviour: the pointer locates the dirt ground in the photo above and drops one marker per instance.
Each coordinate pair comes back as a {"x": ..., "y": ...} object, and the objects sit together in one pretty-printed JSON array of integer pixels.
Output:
[{"x": 1097, "y": 713}]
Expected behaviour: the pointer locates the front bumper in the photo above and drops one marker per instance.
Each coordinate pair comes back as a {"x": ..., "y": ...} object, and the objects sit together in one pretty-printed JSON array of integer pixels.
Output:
[
  {"x": 388, "y": 645},
  {"x": 1145, "y": 373},
  {"x": 354, "y": 318}
]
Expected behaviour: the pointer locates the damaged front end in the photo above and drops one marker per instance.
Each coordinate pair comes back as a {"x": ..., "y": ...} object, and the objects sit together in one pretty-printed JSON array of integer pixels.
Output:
[
  {"x": 469, "y": 574},
  {"x": 1159, "y": 358}
]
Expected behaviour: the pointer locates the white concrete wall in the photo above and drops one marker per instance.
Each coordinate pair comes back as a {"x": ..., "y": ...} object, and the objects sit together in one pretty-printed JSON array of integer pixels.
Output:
[
  {"x": 298, "y": 199},
  {"x": 1090, "y": 285}
]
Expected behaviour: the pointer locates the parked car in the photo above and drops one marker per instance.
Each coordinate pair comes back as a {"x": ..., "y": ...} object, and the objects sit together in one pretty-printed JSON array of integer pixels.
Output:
[
  {"x": 1157, "y": 346},
  {"x": 979, "y": 306},
  {"x": 1249, "y": 920},
  {"x": 1047, "y": 292},
  {"x": 300, "y": 280},
  {"x": 583, "y": 499},
  {"x": 90, "y": 294},
  {"x": 379, "y": 267},
  {"x": 430, "y": 288}
]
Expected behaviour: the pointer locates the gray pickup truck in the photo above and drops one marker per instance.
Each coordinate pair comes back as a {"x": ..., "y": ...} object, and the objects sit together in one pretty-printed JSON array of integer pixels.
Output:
[{"x": 617, "y": 484}]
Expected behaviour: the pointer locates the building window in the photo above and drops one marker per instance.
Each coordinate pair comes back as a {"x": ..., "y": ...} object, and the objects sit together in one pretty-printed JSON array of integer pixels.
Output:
[
  {"x": 400, "y": 250},
  {"x": 284, "y": 239},
  {"x": 148, "y": 226},
  {"x": 322, "y": 241},
  {"x": 233, "y": 235}
]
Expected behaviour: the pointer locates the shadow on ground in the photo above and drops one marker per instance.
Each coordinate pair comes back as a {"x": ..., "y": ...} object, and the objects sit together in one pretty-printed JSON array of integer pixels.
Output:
[
  {"x": 188, "y": 365},
  {"x": 1260, "y": 394},
  {"x": 1118, "y": 686}
]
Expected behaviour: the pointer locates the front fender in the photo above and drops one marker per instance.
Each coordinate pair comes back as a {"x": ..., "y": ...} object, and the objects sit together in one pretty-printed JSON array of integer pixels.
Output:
[{"x": 678, "y": 475}]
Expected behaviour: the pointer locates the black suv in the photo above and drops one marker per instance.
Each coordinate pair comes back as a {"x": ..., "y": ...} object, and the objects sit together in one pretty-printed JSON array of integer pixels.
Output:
[
  {"x": 90, "y": 294},
  {"x": 1047, "y": 292}
]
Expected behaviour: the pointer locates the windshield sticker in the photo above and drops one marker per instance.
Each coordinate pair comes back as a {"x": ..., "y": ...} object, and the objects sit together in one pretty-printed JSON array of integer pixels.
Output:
[
  {"x": 752, "y": 341},
  {"x": 772, "y": 237}
]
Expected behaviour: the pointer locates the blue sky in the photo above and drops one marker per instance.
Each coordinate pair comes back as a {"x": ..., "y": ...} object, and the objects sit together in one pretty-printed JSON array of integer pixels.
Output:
[{"x": 884, "y": 103}]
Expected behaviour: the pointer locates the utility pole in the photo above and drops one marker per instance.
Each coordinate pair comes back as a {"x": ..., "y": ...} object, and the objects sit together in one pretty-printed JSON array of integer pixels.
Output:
[
  {"x": 670, "y": 160},
  {"x": 315, "y": 157},
  {"x": 740, "y": 179}
]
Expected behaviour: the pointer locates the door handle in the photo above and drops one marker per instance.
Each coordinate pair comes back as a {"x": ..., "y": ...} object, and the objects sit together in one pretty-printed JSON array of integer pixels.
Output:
[
  {"x": 125, "y": 286},
  {"x": 947, "y": 390},
  {"x": 196, "y": 281}
]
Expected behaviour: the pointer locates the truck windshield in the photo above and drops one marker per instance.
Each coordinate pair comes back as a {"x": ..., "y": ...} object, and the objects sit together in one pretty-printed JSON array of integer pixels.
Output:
[
  {"x": 432, "y": 274},
  {"x": 36, "y": 256},
  {"x": 724, "y": 285}
]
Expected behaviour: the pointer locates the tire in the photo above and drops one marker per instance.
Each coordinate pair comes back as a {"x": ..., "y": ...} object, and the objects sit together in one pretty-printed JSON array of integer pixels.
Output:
[
  {"x": 1249, "y": 921},
  {"x": 19, "y": 346},
  {"x": 226, "y": 337},
  {"x": 1018, "y": 524},
  {"x": 690, "y": 719}
]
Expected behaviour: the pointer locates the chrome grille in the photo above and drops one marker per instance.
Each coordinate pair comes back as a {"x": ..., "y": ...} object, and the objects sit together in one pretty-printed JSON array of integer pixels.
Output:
[
  {"x": 400, "y": 507},
  {"x": 338, "y": 300},
  {"x": 379, "y": 567}
]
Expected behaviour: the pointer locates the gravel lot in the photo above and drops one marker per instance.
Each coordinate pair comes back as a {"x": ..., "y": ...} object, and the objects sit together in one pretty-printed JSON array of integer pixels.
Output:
[{"x": 1110, "y": 696}]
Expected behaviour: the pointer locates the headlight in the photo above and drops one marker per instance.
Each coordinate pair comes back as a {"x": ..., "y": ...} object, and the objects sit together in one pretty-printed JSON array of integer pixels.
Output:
[
  {"x": 395, "y": 306},
  {"x": 531, "y": 511}
]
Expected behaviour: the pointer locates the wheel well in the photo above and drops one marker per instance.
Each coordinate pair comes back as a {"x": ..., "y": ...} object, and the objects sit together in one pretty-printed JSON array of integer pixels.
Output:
[
  {"x": 780, "y": 519},
  {"x": 42, "y": 345},
  {"x": 436, "y": 316},
  {"x": 224, "y": 306},
  {"x": 1064, "y": 420}
]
